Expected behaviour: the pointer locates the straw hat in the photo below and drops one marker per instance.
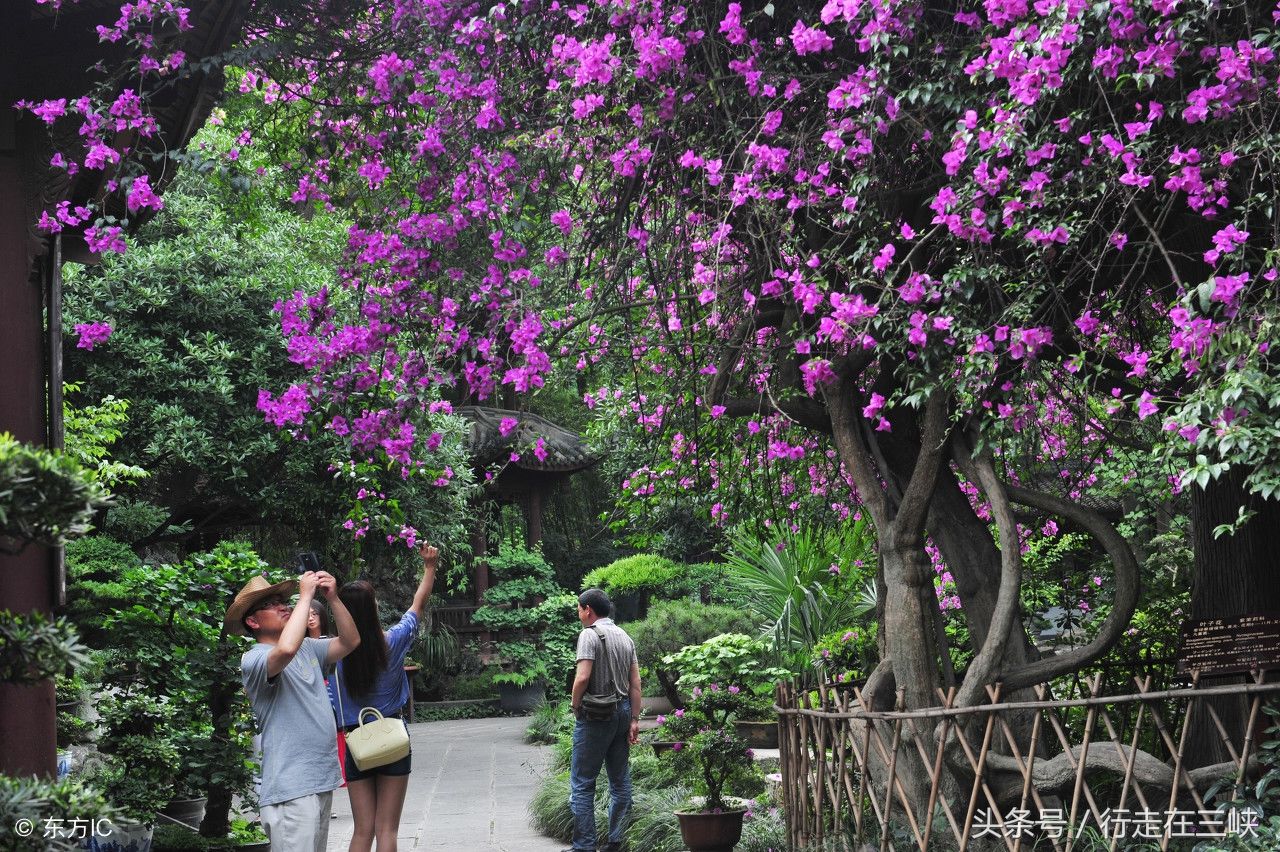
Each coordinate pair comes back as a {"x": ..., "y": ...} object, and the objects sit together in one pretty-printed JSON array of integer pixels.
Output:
[{"x": 247, "y": 598}]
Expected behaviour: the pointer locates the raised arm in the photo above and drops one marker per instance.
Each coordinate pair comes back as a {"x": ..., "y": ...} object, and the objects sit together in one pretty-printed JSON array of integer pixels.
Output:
[
  {"x": 295, "y": 629},
  {"x": 430, "y": 561},
  {"x": 348, "y": 636}
]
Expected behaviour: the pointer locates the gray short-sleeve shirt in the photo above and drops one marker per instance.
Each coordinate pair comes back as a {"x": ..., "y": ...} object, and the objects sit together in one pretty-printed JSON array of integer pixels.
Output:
[
  {"x": 621, "y": 654},
  {"x": 299, "y": 736}
]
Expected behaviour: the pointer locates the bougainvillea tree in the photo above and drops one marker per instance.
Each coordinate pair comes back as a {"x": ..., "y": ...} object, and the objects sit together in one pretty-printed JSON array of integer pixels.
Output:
[{"x": 913, "y": 227}]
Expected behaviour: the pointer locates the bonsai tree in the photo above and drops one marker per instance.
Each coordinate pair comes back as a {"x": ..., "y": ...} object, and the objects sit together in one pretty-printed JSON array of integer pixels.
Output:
[
  {"x": 139, "y": 762},
  {"x": 728, "y": 658},
  {"x": 174, "y": 647},
  {"x": 645, "y": 576},
  {"x": 533, "y": 618},
  {"x": 709, "y": 752}
]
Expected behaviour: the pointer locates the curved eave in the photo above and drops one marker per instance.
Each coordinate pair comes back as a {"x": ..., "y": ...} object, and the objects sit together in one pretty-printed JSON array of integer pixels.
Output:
[
  {"x": 53, "y": 57},
  {"x": 566, "y": 451}
]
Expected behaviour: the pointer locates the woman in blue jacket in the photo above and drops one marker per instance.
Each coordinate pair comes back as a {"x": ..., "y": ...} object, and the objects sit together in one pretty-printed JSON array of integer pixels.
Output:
[{"x": 373, "y": 676}]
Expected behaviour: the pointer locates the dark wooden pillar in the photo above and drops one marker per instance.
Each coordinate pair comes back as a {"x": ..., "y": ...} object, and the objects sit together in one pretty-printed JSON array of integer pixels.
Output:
[
  {"x": 480, "y": 547},
  {"x": 26, "y": 583},
  {"x": 533, "y": 516}
]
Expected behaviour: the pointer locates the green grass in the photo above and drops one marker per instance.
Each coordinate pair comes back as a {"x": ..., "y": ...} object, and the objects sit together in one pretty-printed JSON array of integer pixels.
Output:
[{"x": 550, "y": 721}]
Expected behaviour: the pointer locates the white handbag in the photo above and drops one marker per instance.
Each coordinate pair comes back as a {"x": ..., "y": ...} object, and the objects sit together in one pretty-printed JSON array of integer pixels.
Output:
[
  {"x": 374, "y": 743},
  {"x": 378, "y": 742}
]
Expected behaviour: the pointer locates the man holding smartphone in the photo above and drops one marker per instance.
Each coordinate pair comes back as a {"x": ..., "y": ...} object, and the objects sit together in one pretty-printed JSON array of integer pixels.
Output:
[{"x": 283, "y": 674}]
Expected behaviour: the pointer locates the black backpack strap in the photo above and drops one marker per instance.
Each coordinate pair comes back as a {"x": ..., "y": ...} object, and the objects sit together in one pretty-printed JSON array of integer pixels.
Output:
[{"x": 605, "y": 649}]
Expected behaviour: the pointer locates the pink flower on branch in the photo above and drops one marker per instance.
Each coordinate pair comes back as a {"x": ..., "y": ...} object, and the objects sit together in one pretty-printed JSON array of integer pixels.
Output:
[{"x": 92, "y": 333}]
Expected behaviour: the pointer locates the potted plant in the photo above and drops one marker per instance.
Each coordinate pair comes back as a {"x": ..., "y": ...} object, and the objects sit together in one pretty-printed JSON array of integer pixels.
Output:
[
  {"x": 670, "y": 626},
  {"x": 535, "y": 621},
  {"x": 135, "y": 767},
  {"x": 757, "y": 722},
  {"x": 522, "y": 683},
  {"x": 715, "y": 760},
  {"x": 738, "y": 659}
]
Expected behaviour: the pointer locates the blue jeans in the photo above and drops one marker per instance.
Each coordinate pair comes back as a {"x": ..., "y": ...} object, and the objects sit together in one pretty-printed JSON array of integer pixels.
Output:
[{"x": 596, "y": 743}]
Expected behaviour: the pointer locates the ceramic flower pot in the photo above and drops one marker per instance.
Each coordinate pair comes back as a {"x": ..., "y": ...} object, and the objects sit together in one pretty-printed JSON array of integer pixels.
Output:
[
  {"x": 716, "y": 831},
  {"x": 656, "y": 705},
  {"x": 189, "y": 812},
  {"x": 123, "y": 837}
]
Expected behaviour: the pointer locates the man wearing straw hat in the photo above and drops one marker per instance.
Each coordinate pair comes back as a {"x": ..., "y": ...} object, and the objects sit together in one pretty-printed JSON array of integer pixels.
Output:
[{"x": 283, "y": 674}]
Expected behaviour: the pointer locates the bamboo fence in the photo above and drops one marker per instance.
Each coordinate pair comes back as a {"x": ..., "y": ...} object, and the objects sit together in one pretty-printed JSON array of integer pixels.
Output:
[{"x": 1109, "y": 766}]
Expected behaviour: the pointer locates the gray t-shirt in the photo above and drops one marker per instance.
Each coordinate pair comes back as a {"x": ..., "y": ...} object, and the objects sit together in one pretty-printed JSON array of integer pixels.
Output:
[
  {"x": 299, "y": 737},
  {"x": 621, "y": 653}
]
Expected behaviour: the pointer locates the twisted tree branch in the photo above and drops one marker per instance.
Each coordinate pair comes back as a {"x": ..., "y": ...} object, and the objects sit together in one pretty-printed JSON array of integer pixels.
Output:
[
  {"x": 989, "y": 657},
  {"x": 1124, "y": 601}
]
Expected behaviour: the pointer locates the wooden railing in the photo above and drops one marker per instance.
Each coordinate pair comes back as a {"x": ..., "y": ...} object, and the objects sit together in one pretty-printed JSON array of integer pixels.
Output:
[
  {"x": 1014, "y": 774},
  {"x": 457, "y": 617}
]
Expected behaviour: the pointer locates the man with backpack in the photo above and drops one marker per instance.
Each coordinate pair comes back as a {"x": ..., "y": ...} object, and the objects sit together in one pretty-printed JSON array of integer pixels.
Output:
[{"x": 606, "y": 704}]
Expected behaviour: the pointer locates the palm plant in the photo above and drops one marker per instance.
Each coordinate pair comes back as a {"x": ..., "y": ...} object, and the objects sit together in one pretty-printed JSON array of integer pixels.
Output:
[{"x": 805, "y": 584}]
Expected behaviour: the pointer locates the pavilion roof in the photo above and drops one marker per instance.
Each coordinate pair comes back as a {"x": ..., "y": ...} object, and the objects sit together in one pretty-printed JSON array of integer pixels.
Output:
[
  {"x": 566, "y": 450},
  {"x": 56, "y": 47}
]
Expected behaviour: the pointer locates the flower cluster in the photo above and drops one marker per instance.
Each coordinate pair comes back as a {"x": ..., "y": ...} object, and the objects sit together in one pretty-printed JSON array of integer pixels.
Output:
[{"x": 845, "y": 656}]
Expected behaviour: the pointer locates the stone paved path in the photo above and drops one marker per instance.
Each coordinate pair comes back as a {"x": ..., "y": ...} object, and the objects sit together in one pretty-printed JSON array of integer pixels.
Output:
[{"x": 470, "y": 788}]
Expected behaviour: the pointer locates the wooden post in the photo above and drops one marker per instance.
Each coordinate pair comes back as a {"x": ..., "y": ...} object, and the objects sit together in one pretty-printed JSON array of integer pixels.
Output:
[{"x": 27, "y": 719}]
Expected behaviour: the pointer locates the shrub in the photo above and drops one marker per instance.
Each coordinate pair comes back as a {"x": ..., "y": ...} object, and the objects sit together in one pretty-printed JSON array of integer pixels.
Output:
[
  {"x": 175, "y": 838},
  {"x": 551, "y": 720},
  {"x": 730, "y": 658},
  {"x": 132, "y": 520},
  {"x": 643, "y": 573},
  {"x": 462, "y": 711},
  {"x": 467, "y": 687},
  {"x": 37, "y": 800},
  {"x": 764, "y": 829},
  {"x": 670, "y": 626},
  {"x": 654, "y": 827},
  {"x": 846, "y": 655},
  {"x": 805, "y": 584},
  {"x": 549, "y": 809}
]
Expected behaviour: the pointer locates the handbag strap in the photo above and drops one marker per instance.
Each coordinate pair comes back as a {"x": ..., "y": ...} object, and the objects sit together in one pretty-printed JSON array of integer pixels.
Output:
[
  {"x": 337, "y": 688},
  {"x": 605, "y": 649}
]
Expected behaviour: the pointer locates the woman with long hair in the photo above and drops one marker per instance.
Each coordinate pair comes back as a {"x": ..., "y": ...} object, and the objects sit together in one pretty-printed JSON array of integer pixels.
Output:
[
  {"x": 317, "y": 620},
  {"x": 373, "y": 676}
]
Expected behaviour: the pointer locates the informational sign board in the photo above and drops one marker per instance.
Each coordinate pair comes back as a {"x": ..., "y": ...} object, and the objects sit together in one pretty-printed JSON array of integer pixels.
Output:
[{"x": 1230, "y": 645}]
